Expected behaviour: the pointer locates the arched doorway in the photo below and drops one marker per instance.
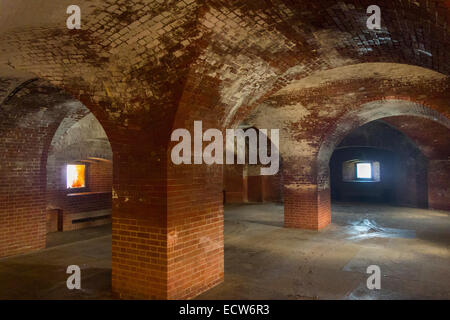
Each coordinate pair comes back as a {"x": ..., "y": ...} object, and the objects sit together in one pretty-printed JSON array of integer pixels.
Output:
[
  {"x": 377, "y": 163},
  {"x": 432, "y": 142},
  {"x": 44, "y": 131}
]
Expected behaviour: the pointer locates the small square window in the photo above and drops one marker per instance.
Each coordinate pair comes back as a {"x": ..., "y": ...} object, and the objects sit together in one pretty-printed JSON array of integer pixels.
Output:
[
  {"x": 76, "y": 176},
  {"x": 364, "y": 170}
]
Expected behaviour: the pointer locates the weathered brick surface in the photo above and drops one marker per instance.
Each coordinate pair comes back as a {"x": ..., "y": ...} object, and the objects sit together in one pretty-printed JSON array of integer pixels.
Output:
[
  {"x": 235, "y": 184},
  {"x": 146, "y": 67},
  {"x": 28, "y": 122},
  {"x": 316, "y": 113},
  {"x": 438, "y": 184}
]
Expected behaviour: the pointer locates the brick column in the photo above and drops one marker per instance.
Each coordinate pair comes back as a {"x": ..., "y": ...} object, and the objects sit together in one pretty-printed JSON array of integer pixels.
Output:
[
  {"x": 167, "y": 223},
  {"x": 26, "y": 131},
  {"x": 272, "y": 188},
  {"x": 306, "y": 203},
  {"x": 139, "y": 216},
  {"x": 195, "y": 230}
]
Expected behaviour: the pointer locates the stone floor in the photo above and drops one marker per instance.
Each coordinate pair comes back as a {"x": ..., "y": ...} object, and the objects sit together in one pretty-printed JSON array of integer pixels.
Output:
[
  {"x": 42, "y": 275},
  {"x": 265, "y": 261}
]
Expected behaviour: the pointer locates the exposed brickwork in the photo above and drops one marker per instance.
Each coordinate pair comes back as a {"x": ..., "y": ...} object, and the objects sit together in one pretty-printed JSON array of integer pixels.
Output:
[
  {"x": 100, "y": 176},
  {"x": 301, "y": 208},
  {"x": 53, "y": 217},
  {"x": 28, "y": 122},
  {"x": 438, "y": 184},
  {"x": 315, "y": 115},
  {"x": 195, "y": 229},
  {"x": 272, "y": 188},
  {"x": 241, "y": 188},
  {"x": 430, "y": 136},
  {"x": 139, "y": 259},
  {"x": 403, "y": 165},
  {"x": 255, "y": 188},
  {"x": 146, "y": 67},
  {"x": 139, "y": 246},
  {"x": 80, "y": 140}
]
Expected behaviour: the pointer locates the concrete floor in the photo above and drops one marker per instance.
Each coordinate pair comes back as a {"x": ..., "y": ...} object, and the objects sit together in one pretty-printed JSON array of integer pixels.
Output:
[
  {"x": 265, "y": 261},
  {"x": 42, "y": 275}
]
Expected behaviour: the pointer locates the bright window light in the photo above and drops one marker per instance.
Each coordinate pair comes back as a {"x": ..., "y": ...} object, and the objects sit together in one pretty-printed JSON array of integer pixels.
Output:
[
  {"x": 76, "y": 176},
  {"x": 364, "y": 170}
]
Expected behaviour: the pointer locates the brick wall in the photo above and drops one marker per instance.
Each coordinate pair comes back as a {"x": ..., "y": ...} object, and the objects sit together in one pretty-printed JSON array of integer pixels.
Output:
[
  {"x": 438, "y": 184},
  {"x": 314, "y": 115},
  {"x": 139, "y": 226},
  {"x": 100, "y": 176},
  {"x": 22, "y": 198},
  {"x": 241, "y": 188},
  {"x": 28, "y": 122},
  {"x": 80, "y": 141},
  {"x": 226, "y": 58},
  {"x": 272, "y": 188},
  {"x": 167, "y": 225},
  {"x": 235, "y": 184}
]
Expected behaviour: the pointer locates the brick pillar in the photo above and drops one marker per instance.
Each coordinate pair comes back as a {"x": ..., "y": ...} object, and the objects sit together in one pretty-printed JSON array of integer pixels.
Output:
[
  {"x": 195, "y": 245},
  {"x": 255, "y": 189},
  {"x": 139, "y": 218},
  {"x": 195, "y": 230},
  {"x": 254, "y": 184},
  {"x": 195, "y": 226},
  {"x": 306, "y": 204},
  {"x": 22, "y": 192},
  {"x": 438, "y": 184},
  {"x": 23, "y": 157},
  {"x": 167, "y": 223}
]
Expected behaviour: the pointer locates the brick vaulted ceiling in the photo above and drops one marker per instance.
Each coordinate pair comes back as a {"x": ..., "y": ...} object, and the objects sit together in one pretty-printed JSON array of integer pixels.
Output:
[
  {"x": 141, "y": 62},
  {"x": 146, "y": 67}
]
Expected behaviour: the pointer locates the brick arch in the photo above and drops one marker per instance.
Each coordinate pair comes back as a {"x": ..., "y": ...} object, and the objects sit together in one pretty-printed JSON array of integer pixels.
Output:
[
  {"x": 368, "y": 112},
  {"x": 140, "y": 62},
  {"x": 74, "y": 110},
  {"x": 306, "y": 110},
  {"x": 80, "y": 144},
  {"x": 13, "y": 83},
  {"x": 31, "y": 114}
]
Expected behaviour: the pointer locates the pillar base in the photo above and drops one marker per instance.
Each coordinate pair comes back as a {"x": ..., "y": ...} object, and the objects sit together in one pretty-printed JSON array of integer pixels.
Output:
[{"x": 307, "y": 208}]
